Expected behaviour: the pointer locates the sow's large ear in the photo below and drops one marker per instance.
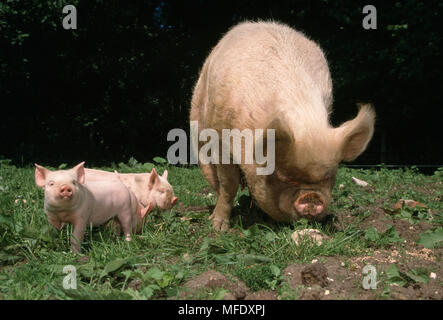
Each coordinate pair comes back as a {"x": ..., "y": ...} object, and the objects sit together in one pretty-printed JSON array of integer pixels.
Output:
[
  {"x": 284, "y": 137},
  {"x": 40, "y": 175},
  {"x": 354, "y": 135},
  {"x": 80, "y": 171},
  {"x": 283, "y": 132}
]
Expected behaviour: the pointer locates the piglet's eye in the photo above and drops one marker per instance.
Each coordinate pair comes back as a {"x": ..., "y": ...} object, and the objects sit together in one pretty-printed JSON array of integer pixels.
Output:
[{"x": 51, "y": 183}]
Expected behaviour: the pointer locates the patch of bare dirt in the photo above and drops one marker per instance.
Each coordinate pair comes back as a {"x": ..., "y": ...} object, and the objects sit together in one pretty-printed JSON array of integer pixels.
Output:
[
  {"x": 338, "y": 283},
  {"x": 262, "y": 295},
  {"x": 411, "y": 232},
  {"x": 334, "y": 278},
  {"x": 416, "y": 291},
  {"x": 314, "y": 274},
  {"x": 211, "y": 280},
  {"x": 237, "y": 290},
  {"x": 381, "y": 221}
]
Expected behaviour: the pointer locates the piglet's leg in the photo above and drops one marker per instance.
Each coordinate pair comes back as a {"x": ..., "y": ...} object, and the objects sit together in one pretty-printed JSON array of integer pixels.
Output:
[
  {"x": 77, "y": 235},
  {"x": 125, "y": 219},
  {"x": 114, "y": 225}
]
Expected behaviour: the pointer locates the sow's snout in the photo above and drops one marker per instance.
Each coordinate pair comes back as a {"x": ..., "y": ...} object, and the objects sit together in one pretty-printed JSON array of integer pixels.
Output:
[{"x": 310, "y": 205}]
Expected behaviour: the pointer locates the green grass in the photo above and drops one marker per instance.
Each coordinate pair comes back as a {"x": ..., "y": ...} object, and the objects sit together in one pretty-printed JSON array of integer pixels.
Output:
[{"x": 172, "y": 250}]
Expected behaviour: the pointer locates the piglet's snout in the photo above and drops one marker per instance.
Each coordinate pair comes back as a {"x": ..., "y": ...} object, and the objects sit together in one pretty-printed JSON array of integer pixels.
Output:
[
  {"x": 66, "y": 191},
  {"x": 310, "y": 204}
]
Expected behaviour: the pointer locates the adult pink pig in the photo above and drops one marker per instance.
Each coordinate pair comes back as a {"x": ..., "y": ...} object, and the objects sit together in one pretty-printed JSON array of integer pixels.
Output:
[
  {"x": 68, "y": 199},
  {"x": 266, "y": 75},
  {"x": 149, "y": 188}
]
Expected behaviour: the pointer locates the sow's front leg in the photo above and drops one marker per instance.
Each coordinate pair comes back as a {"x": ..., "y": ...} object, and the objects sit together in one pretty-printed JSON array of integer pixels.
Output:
[{"x": 229, "y": 179}]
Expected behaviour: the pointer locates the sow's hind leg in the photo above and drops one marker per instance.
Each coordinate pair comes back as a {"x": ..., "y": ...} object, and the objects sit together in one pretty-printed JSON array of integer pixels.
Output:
[
  {"x": 197, "y": 105},
  {"x": 209, "y": 171},
  {"x": 229, "y": 179}
]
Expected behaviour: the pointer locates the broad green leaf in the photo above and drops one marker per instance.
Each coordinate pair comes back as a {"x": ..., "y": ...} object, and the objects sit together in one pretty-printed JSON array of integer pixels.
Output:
[
  {"x": 148, "y": 292},
  {"x": 159, "y": 160},
  {"x": 165, "y": 280},
  {"x": 394, "y": 275},
  {"x": 275, "y": 270},
  {"x": 171, "y": 292},
  {"x": 147, "y": 166},
  {"x": 418, "y": 276},
  {"x": 86, "y": 270},
  {"x": 220, "y": 294},
  {"x": 270, "y": 236},
  {"x": 154, "y": 273},
  {"x": 371, "y": 234},
  {"x": 135, "y": 295},
  {"x": 132, "y": 162},
  {"x": 5, "y": 220},
  {"x": 392, "y": 235},
  {"x": 392, "y": 271},
  {"x": 113, "y": 266},
  {"x": 431, "y": 239},
  {"x": 179, "y": 275}
]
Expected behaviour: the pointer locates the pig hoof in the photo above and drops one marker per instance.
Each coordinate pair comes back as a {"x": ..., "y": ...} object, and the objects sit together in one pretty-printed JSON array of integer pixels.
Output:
[
  {"x": 219, "y": 224},
  {"x": 128, "y": 238}
]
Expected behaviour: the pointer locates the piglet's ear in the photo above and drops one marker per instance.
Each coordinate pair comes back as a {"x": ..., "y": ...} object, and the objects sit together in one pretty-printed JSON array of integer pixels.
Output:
[
  {"x": 152, "y": 178},
  {"x": 165, "y": 174},
  {"x": 146, "y": 210},
  {"x": 40, "y": 175},
  {"x": 80, "y": 171},
  {"x": 117, "y": 175}
]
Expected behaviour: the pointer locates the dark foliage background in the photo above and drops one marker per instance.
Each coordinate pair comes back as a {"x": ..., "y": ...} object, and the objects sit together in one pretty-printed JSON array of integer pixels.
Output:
[{"x": 114, "y": 87}]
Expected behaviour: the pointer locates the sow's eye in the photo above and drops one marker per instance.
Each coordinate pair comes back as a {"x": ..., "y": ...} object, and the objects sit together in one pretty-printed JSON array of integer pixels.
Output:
[
  {"x": 51, "y": 183},
  {"x": 329, "y": 179}
]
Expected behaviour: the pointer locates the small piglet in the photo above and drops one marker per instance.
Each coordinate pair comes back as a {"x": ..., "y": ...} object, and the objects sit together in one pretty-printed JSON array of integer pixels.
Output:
[
  {"x": 149, "y": 188},
  {"x": 68, "y": 199}
]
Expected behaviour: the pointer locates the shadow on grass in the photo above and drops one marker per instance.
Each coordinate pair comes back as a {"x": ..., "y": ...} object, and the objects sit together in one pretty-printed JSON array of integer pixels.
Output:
[{"x": 247, "y": 213}]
